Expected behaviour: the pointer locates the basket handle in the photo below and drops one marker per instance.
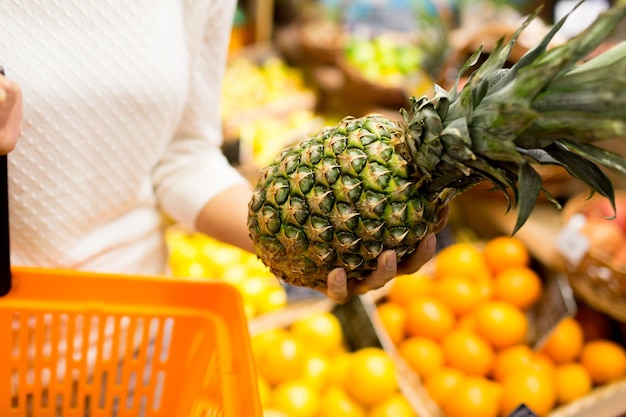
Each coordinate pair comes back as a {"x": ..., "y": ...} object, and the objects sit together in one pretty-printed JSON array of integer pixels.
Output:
[{"x": 5, "y": 253}]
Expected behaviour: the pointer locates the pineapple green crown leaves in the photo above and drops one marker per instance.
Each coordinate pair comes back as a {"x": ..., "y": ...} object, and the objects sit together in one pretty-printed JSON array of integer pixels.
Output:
[{"x": 548, "y": 108}]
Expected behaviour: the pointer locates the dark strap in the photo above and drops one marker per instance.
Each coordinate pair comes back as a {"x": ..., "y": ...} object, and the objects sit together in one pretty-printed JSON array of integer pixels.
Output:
[{"x": 5, "y": 253}]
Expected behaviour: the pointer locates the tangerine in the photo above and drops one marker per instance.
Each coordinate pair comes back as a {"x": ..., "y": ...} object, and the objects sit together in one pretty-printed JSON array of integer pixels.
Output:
[
  {"x": 322, "y": 330},
  {"x": 468, "y": 352},
  {"x": 511, "y": 359},
  {"x": 422, "y": 354},
  {"x": 504, "y": 252},
  {"x": 317, "y": 369},
  {"x": 339, "y": 366},
  {"x": 604, "y": 359},
  {"x": 428, "y": 316},
  {"x": 282, "y": 359},
  {"x": 371, "y": 376},
  {"x": 486, "y": 286},
  {"x": 543, "y": 363},
  {"x": 519, "y": 285},
  {"x": 440, "y": 383},
  {"x": 462, "y": 259},
  {"x": 405, "y": 288},
  {"x": 572, "y": 382},
  {"x": 501, "y": 323},
  {"x": 565, "y": 342},
  {"x": 336, "y": 402},
  {"x": 296, "y": 398},
  {"x": 534, "y": 388},
  {"x": 396, "y": 405},
  {"x": 393, "y": 317},
  {"x": 459, "y": 293},
  {"x": 474, "y": 397}
]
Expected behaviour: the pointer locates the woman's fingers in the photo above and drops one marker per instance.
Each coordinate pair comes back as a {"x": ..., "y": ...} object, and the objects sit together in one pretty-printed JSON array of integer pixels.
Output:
[
  {"x": 442, "y": 219},
  {"x": 339, "y": 289},
  {"x": 424, "y": 253},
  {"x": 337, "y": 286},
  {"x": 10, "y": 114},
  {"x": 386, "y": 270}
]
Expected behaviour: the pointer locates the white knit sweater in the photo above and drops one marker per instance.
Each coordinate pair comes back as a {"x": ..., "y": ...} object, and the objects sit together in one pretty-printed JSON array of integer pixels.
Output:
[{"x": 121, "y": 124}]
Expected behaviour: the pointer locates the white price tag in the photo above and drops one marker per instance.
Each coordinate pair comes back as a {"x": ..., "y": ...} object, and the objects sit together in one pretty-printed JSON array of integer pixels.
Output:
[{"x": 571, "y": 242}]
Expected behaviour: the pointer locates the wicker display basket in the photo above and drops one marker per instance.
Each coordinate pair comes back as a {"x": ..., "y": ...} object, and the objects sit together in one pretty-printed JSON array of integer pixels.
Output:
[
  {"x": 321, "y": 42},
  {"x": 594, "y": 277},
  {"x": 359, "y": 88}
]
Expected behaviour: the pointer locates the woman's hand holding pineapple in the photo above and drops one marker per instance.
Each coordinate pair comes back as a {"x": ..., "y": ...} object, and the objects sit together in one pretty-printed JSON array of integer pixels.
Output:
[{"x": 339, "y": 289}]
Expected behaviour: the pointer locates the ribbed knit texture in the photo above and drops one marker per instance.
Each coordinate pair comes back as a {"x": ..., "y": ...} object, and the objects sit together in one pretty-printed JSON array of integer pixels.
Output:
[{"x": 121, "y": 124}]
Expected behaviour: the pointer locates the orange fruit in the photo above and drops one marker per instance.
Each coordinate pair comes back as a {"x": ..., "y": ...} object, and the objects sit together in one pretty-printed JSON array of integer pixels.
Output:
[
  {"x": 282, "y": 359},
  {"x": 474, "y": 397},
  {"x": 543, "y": 363},
  {"x": 322, "y": 330},
  {"x": 339, "y": 366},
  {"x": 511, "y": 359},
  {"x": 317, "y": 369},
  {"x": 261, "y": 340},
  {"x": 393, "y": 318},
  {"x": 532, "y": 387},
  {"x": 604, "y": 359},
  {"x": 405, "y": 288},
  {"x": 519, "y": 285},
  {"x": 468, "y": 352},
  {"x": 572, "y": 382},
  {"x": 505, "y": 252},
  {"x": 396, "y": 405},
  {"x": 423, "y": 355},
  {"x": 486, "y": 286},
  {"x": 462, "y": 259},
  {"x": 336, "y": 402},
  {"x": 565, "y": 342},
  {"x": 501, "y": 323},
  {"x": 296, "y": 398},
  {"x": 459, "y": 293},
  {"x": 371, "y": 376},
  {"x": 440, "y": 383},
  {"x": 428, "y": 316}
]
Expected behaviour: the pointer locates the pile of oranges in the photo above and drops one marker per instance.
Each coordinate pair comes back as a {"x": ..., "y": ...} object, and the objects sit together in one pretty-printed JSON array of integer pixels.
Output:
[
  {"x": 305, "y": 370},
  {"x": 464, "y": 326}
]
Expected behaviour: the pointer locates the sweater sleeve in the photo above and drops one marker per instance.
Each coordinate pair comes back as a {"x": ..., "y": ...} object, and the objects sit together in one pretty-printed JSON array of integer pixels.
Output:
[{"x": 193, "y": 168}]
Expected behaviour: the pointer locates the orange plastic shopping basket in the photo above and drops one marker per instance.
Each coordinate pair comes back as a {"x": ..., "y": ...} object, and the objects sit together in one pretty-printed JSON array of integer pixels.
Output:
[{"x": 75, "y": 344}]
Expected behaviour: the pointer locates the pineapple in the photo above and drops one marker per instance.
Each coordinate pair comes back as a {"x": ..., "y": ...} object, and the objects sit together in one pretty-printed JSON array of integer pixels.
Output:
[{"x": 342, "y": 196}]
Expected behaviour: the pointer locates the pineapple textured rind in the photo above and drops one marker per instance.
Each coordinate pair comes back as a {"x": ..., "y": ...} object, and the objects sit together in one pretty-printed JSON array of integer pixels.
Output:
[{"x": 338, "y": 199}]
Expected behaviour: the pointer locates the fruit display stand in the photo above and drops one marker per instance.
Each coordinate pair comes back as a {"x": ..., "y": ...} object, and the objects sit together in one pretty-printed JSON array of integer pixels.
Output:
[
  {"x": 327, "y": 361},
  {"x": 429, "y": 324}
]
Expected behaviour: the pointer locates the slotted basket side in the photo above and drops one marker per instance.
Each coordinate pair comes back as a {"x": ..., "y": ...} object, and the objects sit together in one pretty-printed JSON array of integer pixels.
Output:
[{"x": 101, "y": 345}]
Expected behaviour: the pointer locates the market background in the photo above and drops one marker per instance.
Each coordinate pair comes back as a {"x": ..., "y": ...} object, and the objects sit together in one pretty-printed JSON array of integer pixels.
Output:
[{"x": 298, "y": 65}]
